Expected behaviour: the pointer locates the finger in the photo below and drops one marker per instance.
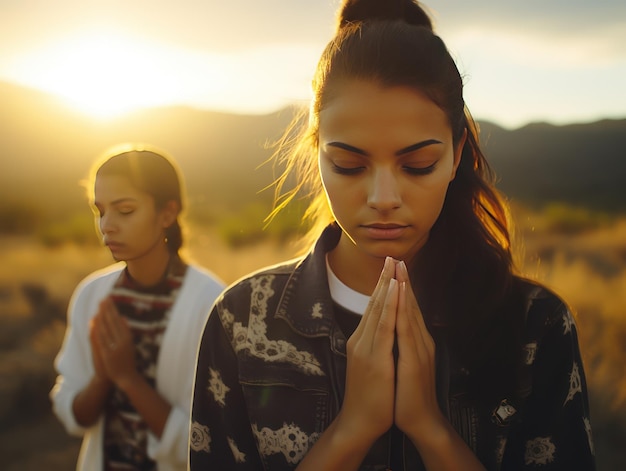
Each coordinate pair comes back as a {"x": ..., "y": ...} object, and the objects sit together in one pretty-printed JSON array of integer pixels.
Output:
[
  {"x": 412, "y": 313},
  {"x": 93, "y": 330},
  {"x": 376, "y": 304},
  {"x": 102, "y": 339},
  {"x": 99, "y": 319},
  {"x": 406, "y": 339},
  {"x": 384, "y": 335},
  {"x": 111, "y": 319},
  {"x": 106, "y": 322},
  {"x": 402, "y": 274}
]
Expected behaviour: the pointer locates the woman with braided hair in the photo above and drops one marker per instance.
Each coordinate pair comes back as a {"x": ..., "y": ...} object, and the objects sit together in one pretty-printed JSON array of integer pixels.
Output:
[
  {"x": 125, "y": 377},
  {"x": 403, "y": 339}
]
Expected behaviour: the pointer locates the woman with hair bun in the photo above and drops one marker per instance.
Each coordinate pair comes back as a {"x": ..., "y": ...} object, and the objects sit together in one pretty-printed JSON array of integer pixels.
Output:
[
  {"x": 125, "y": 375},
  {"x": 403, "y": 339}
]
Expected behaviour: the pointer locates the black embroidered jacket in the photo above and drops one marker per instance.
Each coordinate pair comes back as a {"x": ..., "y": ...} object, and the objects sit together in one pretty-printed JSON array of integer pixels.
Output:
[{"x": 271, "y": 371}]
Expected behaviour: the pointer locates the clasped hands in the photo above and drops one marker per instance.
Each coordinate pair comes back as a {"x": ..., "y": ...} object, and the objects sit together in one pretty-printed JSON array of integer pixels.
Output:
[
  {"x": 378, "y": 393},
  {"x": 112, "y": 346}
]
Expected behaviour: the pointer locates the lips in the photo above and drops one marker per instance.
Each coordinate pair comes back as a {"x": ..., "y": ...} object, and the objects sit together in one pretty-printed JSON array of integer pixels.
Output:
[
  {"x": 385, "y": 231},
  {"x": 114, "y": 245}
]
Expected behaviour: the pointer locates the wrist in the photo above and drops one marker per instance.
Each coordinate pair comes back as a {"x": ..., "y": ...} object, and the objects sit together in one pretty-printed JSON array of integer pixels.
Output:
[
  {"x": 129, "y": 383},
  {"x": 101, "y": 382},
  {"x": 436, "y": 434},
  {"x": 358, "y": 438}
]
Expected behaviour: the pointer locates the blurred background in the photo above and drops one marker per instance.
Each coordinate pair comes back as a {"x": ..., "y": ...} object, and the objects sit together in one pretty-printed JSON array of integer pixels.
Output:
[{"x": 215, "y": 84}]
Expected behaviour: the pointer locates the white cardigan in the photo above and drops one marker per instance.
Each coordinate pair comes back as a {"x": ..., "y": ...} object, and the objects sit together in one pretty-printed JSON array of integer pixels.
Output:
[{"x": 175, "y": 365}]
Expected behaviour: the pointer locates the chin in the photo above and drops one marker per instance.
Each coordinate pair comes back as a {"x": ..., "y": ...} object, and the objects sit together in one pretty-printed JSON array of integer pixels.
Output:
[
  {"x": 393, "y": 250},
  {"x": 383, "y": 253}
]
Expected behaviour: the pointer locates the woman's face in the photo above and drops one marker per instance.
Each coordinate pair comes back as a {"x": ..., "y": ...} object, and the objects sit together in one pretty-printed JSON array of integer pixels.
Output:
[
  {"x": 130, "y": 224},
  {"x": 386, "y": 158}
]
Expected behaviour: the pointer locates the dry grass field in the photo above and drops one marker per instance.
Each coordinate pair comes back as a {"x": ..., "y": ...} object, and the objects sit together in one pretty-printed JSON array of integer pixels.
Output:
[{"x": 586, "y": 267}]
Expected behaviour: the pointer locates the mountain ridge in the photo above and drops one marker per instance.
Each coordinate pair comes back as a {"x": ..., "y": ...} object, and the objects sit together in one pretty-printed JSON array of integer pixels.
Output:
[{"x": 46, "y": 148}]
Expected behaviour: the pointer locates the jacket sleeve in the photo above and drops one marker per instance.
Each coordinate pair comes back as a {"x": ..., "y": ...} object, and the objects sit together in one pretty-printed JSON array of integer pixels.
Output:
[
  {"x": 555, "y": 430},
  {"x": 73, "y": 362},
  {"x": 221, "y": 435}
]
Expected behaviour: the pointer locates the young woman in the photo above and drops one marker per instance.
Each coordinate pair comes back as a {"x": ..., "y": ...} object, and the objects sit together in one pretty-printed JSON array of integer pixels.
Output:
[
  {"x": 124, "y": 382},
  {"x": 403, "y": 340}
]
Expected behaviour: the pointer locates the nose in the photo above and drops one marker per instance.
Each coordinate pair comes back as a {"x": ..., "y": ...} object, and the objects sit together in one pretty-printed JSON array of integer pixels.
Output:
[
  {"x": 384, "y": 192},
  {"x": 106, "y": 223}
]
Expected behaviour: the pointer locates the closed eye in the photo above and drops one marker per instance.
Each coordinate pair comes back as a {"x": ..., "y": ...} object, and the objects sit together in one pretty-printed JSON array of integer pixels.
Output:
[
  {"x": 419, "y": 170},
  {"x": 347, "y": 170}
]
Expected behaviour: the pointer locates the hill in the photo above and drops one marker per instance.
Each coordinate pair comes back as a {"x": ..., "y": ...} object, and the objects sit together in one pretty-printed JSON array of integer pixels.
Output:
[
  {"x": 46, "y": 148},
  {"x": 578, "y": 164}
]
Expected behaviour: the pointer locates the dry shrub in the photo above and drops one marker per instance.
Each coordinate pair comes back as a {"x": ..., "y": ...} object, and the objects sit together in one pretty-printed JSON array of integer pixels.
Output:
[
  {"x": 58, "y": 269},
  {"x": 588, "y": 269}
]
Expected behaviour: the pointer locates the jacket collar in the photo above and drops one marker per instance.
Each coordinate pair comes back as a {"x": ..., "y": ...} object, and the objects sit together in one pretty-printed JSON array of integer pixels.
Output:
[{"x": 306, "y": 303}]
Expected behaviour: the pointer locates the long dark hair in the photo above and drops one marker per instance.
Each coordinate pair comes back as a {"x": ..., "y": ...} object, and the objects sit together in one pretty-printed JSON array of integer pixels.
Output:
[
  {"x": 464, "y": 275},
  {"x": 151, "y": 171}
]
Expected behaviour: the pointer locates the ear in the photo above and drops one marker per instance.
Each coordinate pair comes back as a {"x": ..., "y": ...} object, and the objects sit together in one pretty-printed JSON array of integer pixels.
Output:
[
  {"x": 458, "y": 152},
  {"x": 169, "y": 213}
]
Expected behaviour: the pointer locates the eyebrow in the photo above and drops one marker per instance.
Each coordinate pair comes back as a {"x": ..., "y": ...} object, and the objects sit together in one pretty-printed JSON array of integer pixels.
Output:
[
  {"x": 128, "y": 199},
  {"x": 406, "y": 150}
]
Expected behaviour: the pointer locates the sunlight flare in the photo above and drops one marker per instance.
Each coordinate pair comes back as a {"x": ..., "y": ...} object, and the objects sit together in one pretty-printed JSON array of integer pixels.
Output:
[{"x": 104, "y": 74}]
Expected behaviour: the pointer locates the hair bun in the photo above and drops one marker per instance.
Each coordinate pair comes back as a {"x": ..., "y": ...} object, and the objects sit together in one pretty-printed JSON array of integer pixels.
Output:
[{"x": 358, "y": 11}]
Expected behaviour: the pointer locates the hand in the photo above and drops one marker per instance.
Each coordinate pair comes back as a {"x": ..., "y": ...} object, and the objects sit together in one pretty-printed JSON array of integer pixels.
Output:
[
  {"x": 96, "y": 353},
  {"x": 367, "y": 409},
  {"x": 416, "y": 407},
  {"x": 117, "y": 351}
]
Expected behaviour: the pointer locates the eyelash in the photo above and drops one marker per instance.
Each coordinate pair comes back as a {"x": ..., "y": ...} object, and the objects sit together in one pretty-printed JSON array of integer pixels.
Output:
[
  {"x": 420, "y": 170},
  {"x": 417, "y": 171},
  {"x": 122, "y": 213},
  {"x": 346, "y": 170}
]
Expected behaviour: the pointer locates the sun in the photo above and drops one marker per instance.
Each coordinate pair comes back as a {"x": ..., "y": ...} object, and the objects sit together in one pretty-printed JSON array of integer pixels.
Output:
[{"x": 105, "y": 74}]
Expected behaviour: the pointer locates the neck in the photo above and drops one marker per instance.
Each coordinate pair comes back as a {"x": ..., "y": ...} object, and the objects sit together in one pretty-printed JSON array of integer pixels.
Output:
[
  {"x": 149, "y": 271},
  {"x": 355, "y": 269}
]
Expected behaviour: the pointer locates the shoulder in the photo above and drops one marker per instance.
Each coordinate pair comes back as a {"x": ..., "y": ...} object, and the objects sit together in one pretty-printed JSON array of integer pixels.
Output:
[
  {"x": 99, "y": 279},
  {"x": 276, "y": 275},
  {"x": 542, "y": 305},
  {"x": 549, "y": 320},
  {"x": 90, "y": 291},
  {"x": 263, "y": 286}
]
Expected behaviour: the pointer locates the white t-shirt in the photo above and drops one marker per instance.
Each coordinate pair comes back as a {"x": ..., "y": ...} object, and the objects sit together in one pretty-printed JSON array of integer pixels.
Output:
[{"x": 345, "y": 296}]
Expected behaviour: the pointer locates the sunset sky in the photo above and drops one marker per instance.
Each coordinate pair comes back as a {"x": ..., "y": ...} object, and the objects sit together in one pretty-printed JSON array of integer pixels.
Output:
[{"x": 560, "y": 61}]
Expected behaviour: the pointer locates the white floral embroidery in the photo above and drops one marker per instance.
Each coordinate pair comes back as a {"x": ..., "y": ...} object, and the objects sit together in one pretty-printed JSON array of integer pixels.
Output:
[
  {"x": 200, "y": 438},
  {"x": 568, "y": 322},
  {"x": 531, "y": 351},
  {"x": 575, "y": 384},
  {"x": 253, "y": 338},
  {"x": 289, "y": 440},
  {"x": 217, "y": 387},
  {"x": 238, "y": 455},
  {"x": 539, "y": 451},
  {"x": 316, "y": 313},
  {"x": 589, "y": 435},
  {"x": 227, "y": 318}
]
